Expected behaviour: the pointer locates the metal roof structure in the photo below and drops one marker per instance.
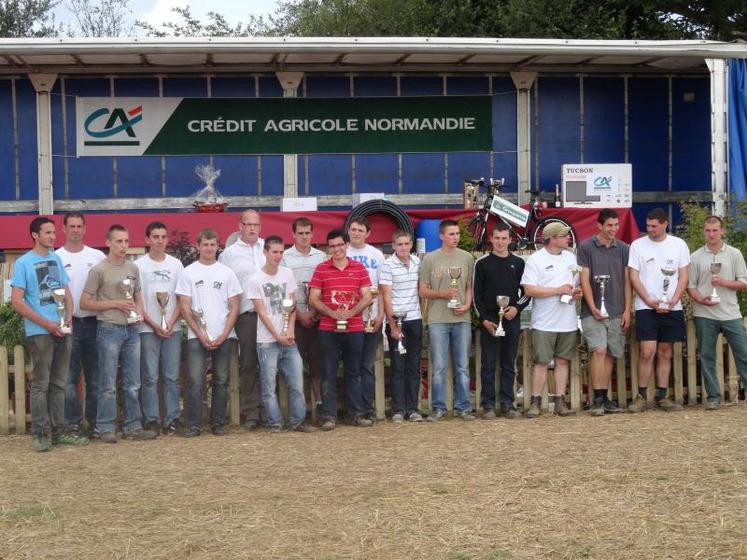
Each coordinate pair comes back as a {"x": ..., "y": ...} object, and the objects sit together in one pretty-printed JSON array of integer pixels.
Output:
[{"x": 370, "y": 54}]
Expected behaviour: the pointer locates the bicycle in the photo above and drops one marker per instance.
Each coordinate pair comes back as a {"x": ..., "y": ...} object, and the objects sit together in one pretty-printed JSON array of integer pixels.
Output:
[{"x": 530, "y": 222}]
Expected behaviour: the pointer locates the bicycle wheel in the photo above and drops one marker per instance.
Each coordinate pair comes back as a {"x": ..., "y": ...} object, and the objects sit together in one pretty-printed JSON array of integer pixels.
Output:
[
  {"x": 476, "y": 230},
  {"x": 536, "y": 240}
]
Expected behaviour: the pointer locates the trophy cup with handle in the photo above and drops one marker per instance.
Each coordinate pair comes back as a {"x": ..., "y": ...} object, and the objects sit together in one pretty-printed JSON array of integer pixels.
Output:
[
  {"x": 716, "y": 270},
  {"x": 370, "y": 321},
  {"x": 344, "y": 301},
  {"x": 502, "y": 302},
  {"x": 127, "y": 286},
  {"x": 455, "y": 272},
  {"x": 574, "y": 270},
  {"x": 287, "y": 306},
  {"x": 199, "y": 314},
  {"x": 400, "y": 316},
  {"x": 668, "y": 272},
  {"x": 602, "y": 280},
  {"x": 59, "y": 298},
  {"x": 163, "y": 301}
]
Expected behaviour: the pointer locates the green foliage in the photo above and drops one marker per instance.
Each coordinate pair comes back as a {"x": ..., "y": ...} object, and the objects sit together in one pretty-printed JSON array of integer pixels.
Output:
[
  {"x": 27, "y": 18},
  {"x": 11, "y": 326},
  {"x": 216, "y": 26}
]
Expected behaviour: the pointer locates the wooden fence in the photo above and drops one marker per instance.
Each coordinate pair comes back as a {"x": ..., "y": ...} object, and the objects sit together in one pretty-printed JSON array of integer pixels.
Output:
[{"x": 685, "y": 382}]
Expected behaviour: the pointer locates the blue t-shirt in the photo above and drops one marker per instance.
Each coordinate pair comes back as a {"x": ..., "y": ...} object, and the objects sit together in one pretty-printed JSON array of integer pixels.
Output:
[{"x": 39, "y": 276}]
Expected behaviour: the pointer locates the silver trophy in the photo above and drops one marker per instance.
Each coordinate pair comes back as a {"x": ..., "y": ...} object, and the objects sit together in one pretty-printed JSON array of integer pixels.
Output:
[
  {"x": 400, "y": 316},
  {"x": 344, "y": 300},
  {"x": 574, "y": 270},
  {"x": 163, "y": 301},
  {"x": 716, "y": 270},
  {"x": 370, "y": 321},
  {"x": 199, "y": 314},
  {"x": 128, "y": 289},
  {"x": 59, "y": 298},
  {"x": 502, "y": 302},
  {"x": 455, "y": 272},
  {"x": 668, "y": 273},
  {"x": 287, "y": 306},
  {"x": 602, "y": 280}
]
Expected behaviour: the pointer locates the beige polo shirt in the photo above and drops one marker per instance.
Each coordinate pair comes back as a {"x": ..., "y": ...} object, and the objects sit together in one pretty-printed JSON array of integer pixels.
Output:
[{"x": 732, "y": 268}]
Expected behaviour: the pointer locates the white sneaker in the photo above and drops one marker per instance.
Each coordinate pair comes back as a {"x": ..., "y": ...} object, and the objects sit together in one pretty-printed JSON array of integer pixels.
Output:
[
  {"x": 415, "y": 417},
  {"x": 398, "y": 418}
]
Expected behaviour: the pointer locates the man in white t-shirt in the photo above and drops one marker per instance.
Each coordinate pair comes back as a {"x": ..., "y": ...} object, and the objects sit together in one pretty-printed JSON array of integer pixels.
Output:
[
  {"x": 271, "y": 289},
  {"x": 549, "y": 279},
  {"x": 372, "y": 259},
  {"x": 658, "y": 265},
  {"x": 78, "y": 258},
  {"x": 209, "y": 295},
  {"x": 245, "y": 257},
  {"x": 303, "y": 259},
  {"x": 160, "y": 343}
]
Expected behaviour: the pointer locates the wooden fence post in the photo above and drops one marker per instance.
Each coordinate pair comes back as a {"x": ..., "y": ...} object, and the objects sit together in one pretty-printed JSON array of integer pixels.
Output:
[
  {"x": 19, "y": 365},
  {"x": 692, "y": 364},
  {"x": 575, "y": 382},
  {"x": 4, "y": 410},
  {"x": 677, "y": 377},
  {"x": 380, "y": 398},
  {"x": 233, "y": 388},
  {"x": 478, "y": 368},
  {"x": 526, "y": 366}
]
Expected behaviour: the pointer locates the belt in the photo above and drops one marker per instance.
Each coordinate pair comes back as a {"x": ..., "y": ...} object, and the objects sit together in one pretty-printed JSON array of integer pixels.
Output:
[
  {"x": 248, "y": 312},
  {"x": 90, "y": 318}
]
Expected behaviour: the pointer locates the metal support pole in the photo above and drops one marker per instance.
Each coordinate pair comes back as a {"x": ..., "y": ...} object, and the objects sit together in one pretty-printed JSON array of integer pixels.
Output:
[
  {"x": 719, "y": 138},
  {"x": 43, "y": 84},
  {"x": 523, "y": 82},
  {"x": 290, "y": 82}
]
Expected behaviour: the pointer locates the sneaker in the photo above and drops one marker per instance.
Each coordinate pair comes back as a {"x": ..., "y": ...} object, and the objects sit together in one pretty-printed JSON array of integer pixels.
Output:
[
  {"x": 398, "y": 418},
  {"x": 328, "y": 425},
  {"x": 510, "y": 412},
  {"x": 668, "y": 405},
  {"x": 190, "y": 432},
  {"x": 436, "y": 415},
  {"x": 219, "y": 430},
  {"x": 415, "y": 417},
  {"x": 139, "y": 435},
  {"x": 108, "y": 437},
  {"x": 597, "y": 408},
  {"x": 152, "y": 427},
  {"x": 561, "y": 408},
  {"x": 250, "y": 425},
  {"x": 42, "y": 443},
  {"x": 713, "y": 405},
  {"x": 173, "y": 429},
  {"x": 71, "y": 438},
  {"x": 275, "y": 428},
  {"x": 611, "y": 408},
  {"x": 363, "y": 422},
  {"x": 534, "y": 408},
  {"x": 466, "y": 415},
  {"x": 305, "y": 428},
  {"x": 489, "y": 414},
  {"x": 639, "y": 404}
]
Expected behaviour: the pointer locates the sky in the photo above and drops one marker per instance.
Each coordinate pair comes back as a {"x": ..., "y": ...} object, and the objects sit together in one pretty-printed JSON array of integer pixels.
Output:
[{"x": 159, "y": 11}]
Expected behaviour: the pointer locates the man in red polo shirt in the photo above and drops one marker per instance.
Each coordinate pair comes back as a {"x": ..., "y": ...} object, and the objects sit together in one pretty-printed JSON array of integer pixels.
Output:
[{"x": 339, "y": 292}]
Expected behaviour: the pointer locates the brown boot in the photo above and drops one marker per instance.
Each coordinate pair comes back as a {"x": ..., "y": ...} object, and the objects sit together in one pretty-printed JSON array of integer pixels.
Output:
[
  {"x": 561, "y": 409},
  {"x": 534, "y": 408}
]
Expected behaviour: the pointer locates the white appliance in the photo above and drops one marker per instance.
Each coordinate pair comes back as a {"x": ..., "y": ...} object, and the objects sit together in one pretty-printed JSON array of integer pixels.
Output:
[{"x": 597, "y": 185}]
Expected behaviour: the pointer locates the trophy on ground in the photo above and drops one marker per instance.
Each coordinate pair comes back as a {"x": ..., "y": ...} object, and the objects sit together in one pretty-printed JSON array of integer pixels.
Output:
[
  {"x": 602, "y": 280},
  {"x": 574, "y": 270},
  {"x": 370, "y": 321},
  {"x": 199, "y": 314},
  {"x": 668, "y": 272},
  {"x": 344, "y": 301},
  {"x": 455, "y": 272},
  {"x": 502, "y": 302},
  {"x": 715, "y": 270},
  {"x": 163, "y": 300},
  {"x": 59, "y": 298},
  {"x": 287, "y": 306},
  {"x": 400, "y": 316},
  {"x": 128, "y": 289}
]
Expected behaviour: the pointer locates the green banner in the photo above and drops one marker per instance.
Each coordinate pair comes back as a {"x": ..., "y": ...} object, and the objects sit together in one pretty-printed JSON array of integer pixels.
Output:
[{"x": 332, "y": 126}]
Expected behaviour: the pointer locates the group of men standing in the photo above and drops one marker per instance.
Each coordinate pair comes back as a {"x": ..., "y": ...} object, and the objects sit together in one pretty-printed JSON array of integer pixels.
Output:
[{"x": 97, "y": 314}]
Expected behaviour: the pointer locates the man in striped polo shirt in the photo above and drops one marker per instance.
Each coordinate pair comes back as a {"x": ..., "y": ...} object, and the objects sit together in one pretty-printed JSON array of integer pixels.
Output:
[
  {"x": 339, "y": 292},
  {"x": 398, "y": 280},
  {"x": 303, "y": 259}
]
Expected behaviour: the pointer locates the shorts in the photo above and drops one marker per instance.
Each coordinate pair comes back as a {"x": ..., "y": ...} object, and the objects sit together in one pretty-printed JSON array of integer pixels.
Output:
[
  {"x": 604, "y": 334},
  {"x": 660, "y": 327},
  {"x": 546, "y": 345}
]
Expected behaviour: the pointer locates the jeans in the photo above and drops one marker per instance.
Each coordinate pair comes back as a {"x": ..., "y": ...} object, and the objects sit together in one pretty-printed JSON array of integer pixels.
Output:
[
  {"x": 249, "y": 390},
  {"x": 458, "y": 336},
  {"x": 368, "y": 371},
  {"x": 707, "y": 331},
  {"x": 350, "y": 346},
  {"x": 196, "y": 365},
  {"x": 163, "y": 353},
  {"x": 118, "y": 345},
  {"x": 505, "y": 347},
  {"x": 83, "y": 355},
  {"x": 406, "y": 368},
  {"x": 51, "y": 357},
  {"x": 271, "y": 357}
]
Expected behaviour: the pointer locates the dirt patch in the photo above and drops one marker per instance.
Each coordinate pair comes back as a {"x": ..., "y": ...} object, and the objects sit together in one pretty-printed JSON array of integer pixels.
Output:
[{"x": 654, "y": 485}]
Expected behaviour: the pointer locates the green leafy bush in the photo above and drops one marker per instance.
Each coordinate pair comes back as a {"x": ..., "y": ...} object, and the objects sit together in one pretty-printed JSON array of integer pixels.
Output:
[{"x": 11, "y": 326}]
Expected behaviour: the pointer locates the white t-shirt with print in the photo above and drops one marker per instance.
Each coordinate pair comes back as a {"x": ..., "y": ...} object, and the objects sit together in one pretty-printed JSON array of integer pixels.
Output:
[
  {"x": 77, "y": 266},
  {"x": 155, "y": 277},
  {"x": 550, "y": 271},
  {"x": 272, "y": 290},
  {"x": 372, "y": 259},
  {"x": 649, "y": 257},
  {"x": 210, "y": 287}
]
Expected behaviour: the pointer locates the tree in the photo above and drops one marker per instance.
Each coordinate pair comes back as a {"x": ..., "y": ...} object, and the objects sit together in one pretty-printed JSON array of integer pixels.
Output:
[
  {"x": 27, "y": 18},
  {"x": 107, "y": 18},
  {"x": 216, "y": 26}
]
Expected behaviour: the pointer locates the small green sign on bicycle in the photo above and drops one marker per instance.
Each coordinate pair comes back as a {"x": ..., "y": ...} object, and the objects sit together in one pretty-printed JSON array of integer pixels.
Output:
[{"x": 510, "y": 211}]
